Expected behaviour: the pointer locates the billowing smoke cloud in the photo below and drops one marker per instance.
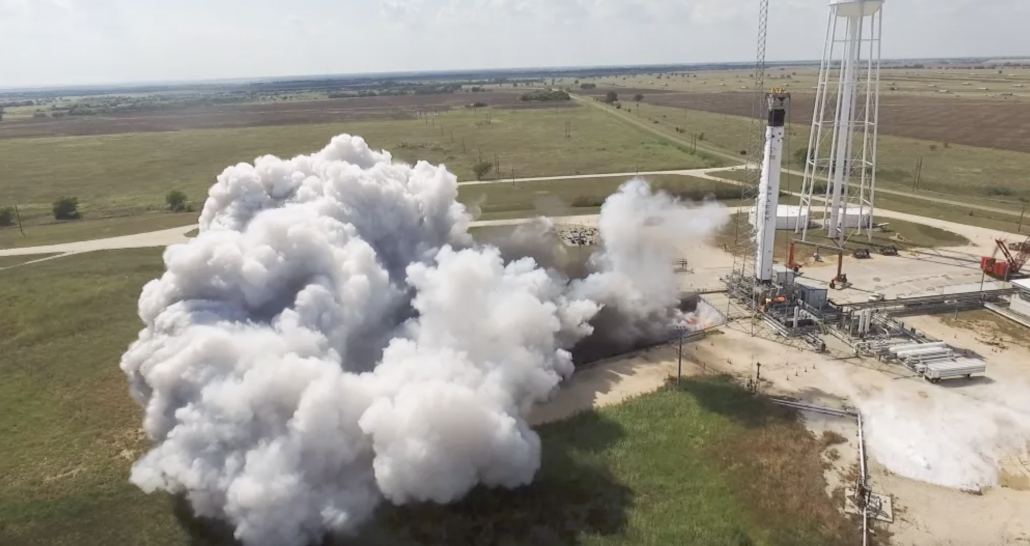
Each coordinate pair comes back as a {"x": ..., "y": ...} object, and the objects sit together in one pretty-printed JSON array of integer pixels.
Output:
[
  {"x": 954, "y": 438},
  {"x": 334, "y": 337}
]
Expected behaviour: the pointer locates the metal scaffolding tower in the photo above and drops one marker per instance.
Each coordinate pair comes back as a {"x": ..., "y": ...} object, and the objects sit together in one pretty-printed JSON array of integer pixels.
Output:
[
  {"x": 744, "y": 244},
  {"x": 851, "y": 55}
]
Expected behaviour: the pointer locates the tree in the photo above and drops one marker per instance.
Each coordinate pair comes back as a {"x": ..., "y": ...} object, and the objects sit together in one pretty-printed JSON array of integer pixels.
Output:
[
  {"x": 7, "y": 216},
  {"x": 67, "y": 208},
  {"x": 611, "y": 97},
  {"x": 176, "y": 201},
  {"x": 481, "y": 169},
  {"x": 638, "y": 97}
]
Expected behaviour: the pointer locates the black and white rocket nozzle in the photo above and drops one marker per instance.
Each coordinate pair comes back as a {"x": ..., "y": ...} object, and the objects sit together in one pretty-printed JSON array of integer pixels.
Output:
[{"x": 777, "y": 101}]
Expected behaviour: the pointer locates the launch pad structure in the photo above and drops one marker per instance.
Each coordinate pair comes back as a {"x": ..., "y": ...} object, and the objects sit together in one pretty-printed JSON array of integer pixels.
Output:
[{"x": 777, "y": 298}]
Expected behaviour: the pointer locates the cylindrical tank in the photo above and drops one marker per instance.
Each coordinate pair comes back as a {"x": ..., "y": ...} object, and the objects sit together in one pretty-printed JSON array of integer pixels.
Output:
[
  {"x": 856, "y": 8},
  {"x": 911, "y": 346}
]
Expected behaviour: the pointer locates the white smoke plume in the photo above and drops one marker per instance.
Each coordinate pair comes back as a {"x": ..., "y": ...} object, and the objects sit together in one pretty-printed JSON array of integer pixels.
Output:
[
  {"x": 333, "y": 337},
  {"x": 950, "y": 438}
]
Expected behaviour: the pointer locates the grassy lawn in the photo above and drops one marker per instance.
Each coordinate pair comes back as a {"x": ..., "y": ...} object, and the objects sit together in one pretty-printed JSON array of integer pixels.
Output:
[
  {"x": 956, "y": 170},
  {"x": 707, "y": 465},
  {"x": 11, "y": 261},
  {"x": 564, "y": 197},
  {"x": 913, "y": 205},
  {"x": 493, "y": 201},
  {"x": 131, "y": 173},
  {"x": 81, "y": 230}
]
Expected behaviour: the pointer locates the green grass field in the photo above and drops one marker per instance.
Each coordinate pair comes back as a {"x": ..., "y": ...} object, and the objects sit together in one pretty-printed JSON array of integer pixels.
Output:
[
  {"x": 494, "y": 201},
  {"x": 576, "y": 196},
  {"x": 708, "y": 465},
  {"x": 81, "y": 230},
  {"x": 956, "y": 170},
  {"x": 11, "y": 261},
  {"x": 920, "y": 207},
  {"x": 131, "y": 173}
]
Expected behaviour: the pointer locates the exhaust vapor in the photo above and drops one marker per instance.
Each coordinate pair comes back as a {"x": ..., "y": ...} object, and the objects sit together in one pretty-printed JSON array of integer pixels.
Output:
[
  {"x": 334, "y": 338},
  {"x": 951, "y": 438}
]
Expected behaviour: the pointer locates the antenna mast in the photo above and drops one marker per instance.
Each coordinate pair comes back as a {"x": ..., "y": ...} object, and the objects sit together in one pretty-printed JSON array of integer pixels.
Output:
[{"x": 744, "y": 233}]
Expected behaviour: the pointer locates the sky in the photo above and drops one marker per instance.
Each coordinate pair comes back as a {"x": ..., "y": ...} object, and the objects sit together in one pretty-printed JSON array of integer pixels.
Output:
[{"x": 73, "y": 42}]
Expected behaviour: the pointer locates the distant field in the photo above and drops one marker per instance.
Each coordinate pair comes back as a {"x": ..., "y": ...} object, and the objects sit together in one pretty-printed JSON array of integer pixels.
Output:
[
  {"x": 258, "y": 114},
  {"x": 130, "y": 174},
  {"x": 491, "y": 201},
  {"x": 81, "y": 230},
  {"x": 1004, "y": 125},
  {"x": 919, "y": 207},
  {"x": 1012, "y": 84},
  {"x": 741, "y": 468},
  {"x": 956, "y": 170},
  {"x": 563, "y": 197}
]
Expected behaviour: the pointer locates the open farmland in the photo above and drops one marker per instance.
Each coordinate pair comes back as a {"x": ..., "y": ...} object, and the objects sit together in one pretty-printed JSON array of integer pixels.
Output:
[
  {"x": 738, "y": 465},
  {"x": 1000, "y": 83},
  {"x": 955, "y": 169},
  {"x": 563, "y": 197},
  {"x": 973, "y": 122},
  {"x": 126, "y": 174},
  {"x": 404, "y": 107}
]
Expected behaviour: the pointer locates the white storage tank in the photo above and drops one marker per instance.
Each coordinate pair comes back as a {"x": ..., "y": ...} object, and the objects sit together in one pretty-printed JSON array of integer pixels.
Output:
[
  {"x": 857, "y": 217},
  {"x": 786, "y": 217}
]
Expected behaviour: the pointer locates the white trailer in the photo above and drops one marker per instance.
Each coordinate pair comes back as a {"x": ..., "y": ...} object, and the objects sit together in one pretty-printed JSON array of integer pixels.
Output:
[{"x": 962, "y": 367}]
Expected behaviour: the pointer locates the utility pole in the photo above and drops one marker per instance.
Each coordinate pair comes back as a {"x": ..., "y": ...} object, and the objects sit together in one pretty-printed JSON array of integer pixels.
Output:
[
  {"x": 513, "y": 177},
  {"x": 679, "y": 365},
  {"x": 1021, "y": 213},
  {"x": 18, "y": 215}
]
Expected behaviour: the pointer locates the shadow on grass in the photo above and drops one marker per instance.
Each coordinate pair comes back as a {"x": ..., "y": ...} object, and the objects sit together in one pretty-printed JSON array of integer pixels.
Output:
[
  {"x": 722, "y": 396},
  {"x": 573, "y": 496}
]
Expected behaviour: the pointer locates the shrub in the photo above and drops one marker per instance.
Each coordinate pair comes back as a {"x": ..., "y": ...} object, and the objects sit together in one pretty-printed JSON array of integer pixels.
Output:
[
  {"x": 67, "y": 208},
  {"x": 611, "y": 97},
  {"x": 7, "y": 216},
  {"x": 583, "y": 201},
  {"x": 638, "y": 97},
  {"x": 481, "y": 169},
  {"x": 588, "y": 86},
  {"x": 176, "y": 201},
  {"x": 801, "y": 156},
  {"x": 545, "y": 96}
]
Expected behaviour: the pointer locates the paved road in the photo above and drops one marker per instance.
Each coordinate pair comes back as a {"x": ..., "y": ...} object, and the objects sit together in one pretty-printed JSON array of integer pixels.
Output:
[
  {"x": 700, "y": 173},
  {"x": 734, "y": 158}
]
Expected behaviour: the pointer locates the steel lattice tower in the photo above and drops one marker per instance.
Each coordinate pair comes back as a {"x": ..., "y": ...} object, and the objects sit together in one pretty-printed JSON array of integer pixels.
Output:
[
  {"x": 842, "y": 144},
  {"x": 742, "y": 276}
]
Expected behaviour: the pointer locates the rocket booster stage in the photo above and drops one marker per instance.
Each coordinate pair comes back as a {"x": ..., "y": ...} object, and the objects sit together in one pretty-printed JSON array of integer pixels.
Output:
[{"x": 769, "y": 185}]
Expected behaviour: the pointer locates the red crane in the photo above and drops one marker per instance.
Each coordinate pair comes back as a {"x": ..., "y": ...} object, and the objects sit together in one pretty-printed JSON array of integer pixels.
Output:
[{"x": 1012, "y": 265}]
